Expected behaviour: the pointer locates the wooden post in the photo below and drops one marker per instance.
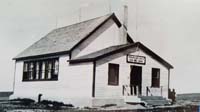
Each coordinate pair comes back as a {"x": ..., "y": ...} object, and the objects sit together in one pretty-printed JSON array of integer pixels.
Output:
[
  {"x": 123, "y": 90},
  {"x": 146, "y": 91},
  {"x": 39, "y": 98}
]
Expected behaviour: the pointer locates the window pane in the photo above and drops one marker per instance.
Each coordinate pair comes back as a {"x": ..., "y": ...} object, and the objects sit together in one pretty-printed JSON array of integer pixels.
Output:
[
  {"x": 49, "y": 69},
  {"x": 41, "y": 70},
  {"x": 25, "y": 71},
  {"x": 25, "y": 67},
  {"x": 46, "y": 70},
  {"x": 56, "y": 67},
  {"x": 155, "y": 77},
  {"x": 31, "y": 71},
  {"x": 113, "y": 74}
]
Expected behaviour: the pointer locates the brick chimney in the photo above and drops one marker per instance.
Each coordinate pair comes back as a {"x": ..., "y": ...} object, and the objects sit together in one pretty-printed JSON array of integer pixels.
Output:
[{"x": 123, "y": 29}]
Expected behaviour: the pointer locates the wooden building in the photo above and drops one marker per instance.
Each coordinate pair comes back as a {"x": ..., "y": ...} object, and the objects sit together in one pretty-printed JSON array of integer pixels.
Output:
[{"x": 91, "y": 63}]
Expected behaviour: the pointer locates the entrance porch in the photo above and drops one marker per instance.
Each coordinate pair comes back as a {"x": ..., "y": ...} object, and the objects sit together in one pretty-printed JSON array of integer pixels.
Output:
[
  {"x": 153, "y": 96},
  {"x": 138, "y": 92}
]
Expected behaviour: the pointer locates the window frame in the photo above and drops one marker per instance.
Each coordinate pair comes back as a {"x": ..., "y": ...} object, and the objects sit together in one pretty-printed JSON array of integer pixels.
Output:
[
  {"x": 115, "y": 66},
  {"x": 155, "y": 81},
  {"x": 41, "y": 71}
]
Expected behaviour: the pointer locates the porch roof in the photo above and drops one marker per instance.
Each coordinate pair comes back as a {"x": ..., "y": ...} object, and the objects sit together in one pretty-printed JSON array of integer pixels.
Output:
[{"x": 116, "y": 49}]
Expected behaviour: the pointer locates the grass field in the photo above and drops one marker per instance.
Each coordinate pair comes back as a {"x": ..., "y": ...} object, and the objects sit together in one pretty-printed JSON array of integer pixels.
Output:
[{"x": 185, "y": 103}]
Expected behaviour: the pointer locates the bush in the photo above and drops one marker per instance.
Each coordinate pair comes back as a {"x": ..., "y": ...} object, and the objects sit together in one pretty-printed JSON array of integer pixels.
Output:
[
  {"x": 54, "y": 104},
  {"x": 22, "y": 101},
  {"x": 69, "y": 105},
  {"x": 108, "y": 105}
]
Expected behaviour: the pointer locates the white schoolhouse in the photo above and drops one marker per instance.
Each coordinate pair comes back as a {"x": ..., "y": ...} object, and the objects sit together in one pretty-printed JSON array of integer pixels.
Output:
[{"x": 91, "y": 63}]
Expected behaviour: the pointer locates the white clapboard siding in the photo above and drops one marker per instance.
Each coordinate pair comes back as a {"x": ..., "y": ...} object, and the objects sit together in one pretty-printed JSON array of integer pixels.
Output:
[
  {"x": 106, "y": 36},
  {"x": 74, "y": 84},
  {"x": 103, "y": 90}
]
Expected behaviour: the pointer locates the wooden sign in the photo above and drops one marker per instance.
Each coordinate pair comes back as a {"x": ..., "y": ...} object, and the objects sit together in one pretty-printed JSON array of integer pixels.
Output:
[{"x": 136, "y": 59}]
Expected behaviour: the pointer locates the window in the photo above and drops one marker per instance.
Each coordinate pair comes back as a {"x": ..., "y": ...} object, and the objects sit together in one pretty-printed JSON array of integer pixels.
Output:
[
  {"x": 113, "y": 74},
  {"x": 41, "y": 70},
  {"x": 155, "y": 77}
]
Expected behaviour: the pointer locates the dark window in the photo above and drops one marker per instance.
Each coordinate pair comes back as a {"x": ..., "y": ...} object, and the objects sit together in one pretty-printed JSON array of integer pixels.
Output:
[
  {"x": 41, "y": 70},
  {"x": 113, "y": 74},
  {"x": 155, "y": 77}
]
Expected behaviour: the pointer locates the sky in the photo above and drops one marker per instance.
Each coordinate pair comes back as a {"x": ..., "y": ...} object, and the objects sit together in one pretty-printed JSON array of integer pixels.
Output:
[{"x": 171, "y": 28}]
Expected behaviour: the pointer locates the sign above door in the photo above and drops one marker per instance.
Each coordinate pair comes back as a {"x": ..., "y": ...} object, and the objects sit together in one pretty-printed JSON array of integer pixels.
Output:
[{"x": 136, "y": 59}]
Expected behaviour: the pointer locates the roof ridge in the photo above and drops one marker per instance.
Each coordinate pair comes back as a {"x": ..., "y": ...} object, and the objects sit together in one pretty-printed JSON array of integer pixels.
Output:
[
  {"x": 39, "y": 48},
  {"x": 110, "y": 14}
]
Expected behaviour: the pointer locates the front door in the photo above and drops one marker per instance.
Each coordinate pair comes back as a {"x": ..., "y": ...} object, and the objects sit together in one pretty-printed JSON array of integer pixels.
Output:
[{"x": 136, "y": 80}]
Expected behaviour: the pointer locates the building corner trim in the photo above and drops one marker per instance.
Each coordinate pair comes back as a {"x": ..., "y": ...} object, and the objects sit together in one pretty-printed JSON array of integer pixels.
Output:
[{"x": 94, "y": 78}]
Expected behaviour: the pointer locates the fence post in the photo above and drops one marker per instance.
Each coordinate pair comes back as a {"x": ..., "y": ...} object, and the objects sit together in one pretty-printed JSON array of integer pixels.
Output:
[
  {"x": 123, "y": 90},
  {"x": 147, "y": 91}
]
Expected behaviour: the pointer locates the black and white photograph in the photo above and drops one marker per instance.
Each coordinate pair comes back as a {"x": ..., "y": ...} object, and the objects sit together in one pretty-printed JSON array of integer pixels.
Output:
[{"x": 99, "y": 56}]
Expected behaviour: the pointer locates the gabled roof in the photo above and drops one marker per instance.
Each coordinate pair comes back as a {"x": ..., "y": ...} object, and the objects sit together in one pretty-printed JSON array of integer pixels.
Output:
[
  {"x": 97, "y": 54},
  {"x": 64, "y": 39},
  {"x": 116, "y": 49}
]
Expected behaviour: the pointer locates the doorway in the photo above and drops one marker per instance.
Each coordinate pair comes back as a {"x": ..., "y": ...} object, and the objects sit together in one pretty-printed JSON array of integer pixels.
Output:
[{"x": 136, "y": 80}]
